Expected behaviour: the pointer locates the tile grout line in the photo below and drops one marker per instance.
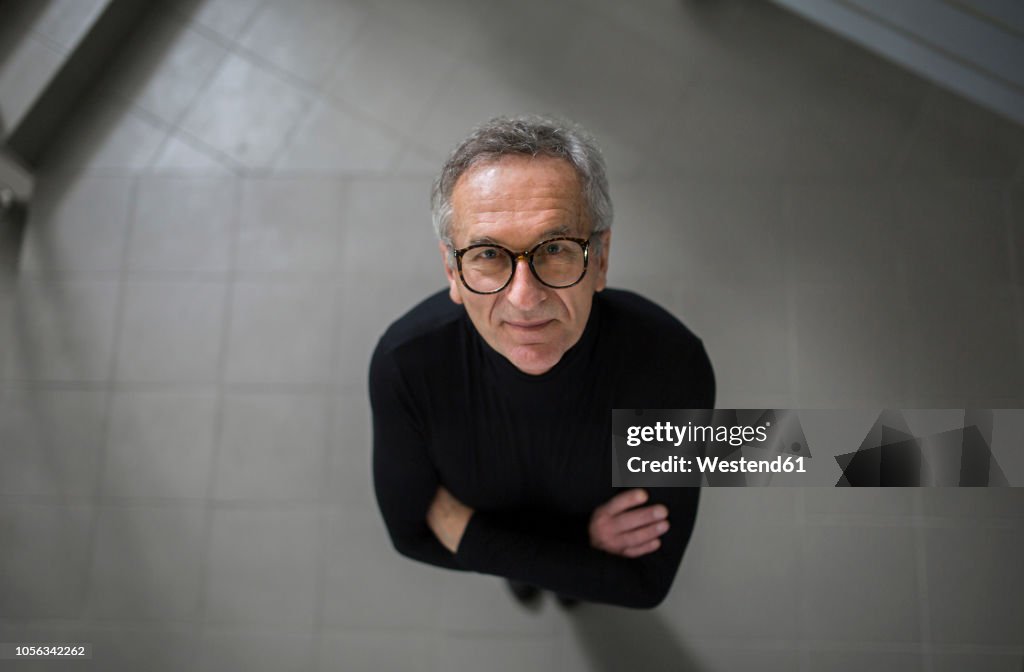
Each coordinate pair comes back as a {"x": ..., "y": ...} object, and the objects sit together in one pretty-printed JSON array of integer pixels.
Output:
[
  {"x": 803, "y": 648},
  {"x": 924, "y": 604},
  {"x": 313, "y": 92},
  {"x": 201, "y": 615},
  {"x": 330, "y": 400},
  {"x": 792, "y": 311},
  {"x": 97, "y": 501},
  {"x": 1016, "y": 262}
]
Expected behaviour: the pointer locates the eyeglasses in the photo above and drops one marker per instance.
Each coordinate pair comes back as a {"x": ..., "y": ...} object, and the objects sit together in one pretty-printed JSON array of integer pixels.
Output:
[{"x": 556, "y": 262}]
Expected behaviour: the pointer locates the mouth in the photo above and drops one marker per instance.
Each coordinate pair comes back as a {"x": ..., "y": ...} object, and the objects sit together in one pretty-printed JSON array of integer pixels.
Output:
[{"x": 528, "y": 327}]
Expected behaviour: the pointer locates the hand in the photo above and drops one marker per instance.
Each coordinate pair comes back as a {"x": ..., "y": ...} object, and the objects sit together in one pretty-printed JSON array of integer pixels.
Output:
[
  {"x": 448, "y": 518},
  {"x": 619, "y": 528}
]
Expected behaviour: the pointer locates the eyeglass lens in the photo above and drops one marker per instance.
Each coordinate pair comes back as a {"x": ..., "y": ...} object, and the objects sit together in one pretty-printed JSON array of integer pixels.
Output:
[{"x": 557, "y": 263}]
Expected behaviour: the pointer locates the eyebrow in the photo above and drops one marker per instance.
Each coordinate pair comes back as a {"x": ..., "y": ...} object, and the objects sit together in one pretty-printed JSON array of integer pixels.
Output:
[{"x": 562, "y": 230}]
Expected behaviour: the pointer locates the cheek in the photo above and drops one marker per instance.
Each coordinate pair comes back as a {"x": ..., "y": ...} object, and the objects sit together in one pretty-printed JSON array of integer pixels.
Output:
[{"x": 482, "y": 308}]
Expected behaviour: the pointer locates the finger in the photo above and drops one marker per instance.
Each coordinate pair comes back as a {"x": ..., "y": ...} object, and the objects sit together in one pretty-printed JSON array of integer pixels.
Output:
[
  {"x": 643, "y": 549},
  {"x": 642, "y": 535},
  {"x": 630, "y": 520},
  {"x": 623, "y": 501}
]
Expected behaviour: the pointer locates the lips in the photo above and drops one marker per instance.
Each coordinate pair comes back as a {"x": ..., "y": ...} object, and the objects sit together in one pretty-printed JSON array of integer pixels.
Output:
[{"x": 529, "y": 326}]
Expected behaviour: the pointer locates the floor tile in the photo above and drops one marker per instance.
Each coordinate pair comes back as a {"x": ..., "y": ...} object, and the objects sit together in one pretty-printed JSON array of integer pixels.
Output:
[
  {"x": 273, "y": 447},
  {"x": 971, "y": 505},
  {"x": 840, "y": 661},
  {"x": 648, "y": 85},
  {"x": 171, "y": 331},
  {"x": 369, "y": 585},
  {"x": 726, "y": 505},
  {"x": 63, "y": 330},
  {"x": 160, "y": 647},
  {"x": 454, "y": 25},
  {"x": 723, "y": 660},
  {"x": 46, "y": 560},
  {"x": 281, "y": 333},
  {"x": 51, "y": 441},
  {"x": 610, "y": 638},
  {"x": 886, "y": 502},
  {"x": 160, "y": 444},
  {"x": 414, "y": 161},
  {"x": 470, "y": 96},
  {"x": 953, "y": 233},
  {"x": 458, "y": 652},
  {"x": 844, "y": 235},
  {"x": 483, "y": 605},
  {"x": 350, "y": 453},
  {"x": 955, "y": 137},
  {"x": 367, "y": 650},
  {"x": 182, "y": 224},
  {"x": 975, "y": 590},
  {"x": 849, "y": 345},
  {"x": 982, "y": 662},
  {"x": 859, "y": 584},
  {"x": 181, "y": 156},
  {"x": 262, "y": 568},
  {"x": 390, "y": 73},
  {"x": 228, "y": 18},
  {"x": 79, "y": 225},
  {"x": 747, "y": 594},
  {"x": 410, "y": 247},
  {"x": 232, "y": 649},
  {"x": 147, "y": 563},
  {"x": 246, "y": 112},
  {"x": 749, "y": 361},
  {"x": 306, "y": 37},
  {"x": 331, "y": 140},
  {"x": 964, "y": 341},
  {"x": 369, "y": 303},
  {"x": 294, "y": 225}
]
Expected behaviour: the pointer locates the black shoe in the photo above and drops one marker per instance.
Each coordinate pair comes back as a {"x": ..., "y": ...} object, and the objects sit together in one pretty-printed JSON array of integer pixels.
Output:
[
  {"x": 524, "y": 592},
  {"x": 566, "y": 601}
]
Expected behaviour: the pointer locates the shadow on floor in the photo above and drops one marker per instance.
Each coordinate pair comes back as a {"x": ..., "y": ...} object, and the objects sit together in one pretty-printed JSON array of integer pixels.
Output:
[{"x": 619, "y": 639}]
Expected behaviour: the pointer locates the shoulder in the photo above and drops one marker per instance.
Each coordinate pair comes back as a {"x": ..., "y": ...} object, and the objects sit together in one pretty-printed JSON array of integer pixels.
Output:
[
  {"x": 660, "y": 362},
  {"x": 424, "y": 321},
  {"x": 640, "y": 320},
  {"x": 423, "y": 334}
]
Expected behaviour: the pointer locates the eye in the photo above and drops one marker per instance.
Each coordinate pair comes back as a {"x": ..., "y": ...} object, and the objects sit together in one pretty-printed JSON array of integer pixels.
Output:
[
  {"x": 488, "y": 253},
  {"x": 553, "y": 248}
]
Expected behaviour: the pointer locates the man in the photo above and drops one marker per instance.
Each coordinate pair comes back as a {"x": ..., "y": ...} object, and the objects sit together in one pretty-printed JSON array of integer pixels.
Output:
[{"x": 492, "y": 400}]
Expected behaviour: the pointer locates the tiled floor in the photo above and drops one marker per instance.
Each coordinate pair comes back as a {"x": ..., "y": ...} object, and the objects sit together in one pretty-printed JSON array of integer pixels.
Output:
[{"x": 241, "y": 207}]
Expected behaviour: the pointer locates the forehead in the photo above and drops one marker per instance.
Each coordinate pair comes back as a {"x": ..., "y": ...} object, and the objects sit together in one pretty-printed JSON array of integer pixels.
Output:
[{"x": 517, "y": 195}]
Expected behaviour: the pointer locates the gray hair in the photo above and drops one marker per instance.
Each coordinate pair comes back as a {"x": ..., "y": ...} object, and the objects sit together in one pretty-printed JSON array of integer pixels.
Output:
[{"x": 528, "y": 136}]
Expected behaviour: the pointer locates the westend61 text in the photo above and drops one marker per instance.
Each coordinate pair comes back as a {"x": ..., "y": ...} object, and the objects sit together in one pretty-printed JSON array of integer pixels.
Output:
[{"x": 709, "y": 465}]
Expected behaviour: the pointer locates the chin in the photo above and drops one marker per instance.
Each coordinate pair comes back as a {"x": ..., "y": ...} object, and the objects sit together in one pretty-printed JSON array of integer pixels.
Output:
[{"x": 533, "y": 360}]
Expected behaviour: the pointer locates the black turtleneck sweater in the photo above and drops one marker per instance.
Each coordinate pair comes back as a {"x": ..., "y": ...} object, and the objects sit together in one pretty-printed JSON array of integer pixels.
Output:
[{"x": 530, "y": 454}]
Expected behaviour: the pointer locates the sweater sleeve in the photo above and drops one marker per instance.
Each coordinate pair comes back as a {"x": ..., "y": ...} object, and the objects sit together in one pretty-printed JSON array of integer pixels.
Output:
[
  {"x": 404, "y": 477},
  {"x": 581, "y": 571},
  {"x": 577, "y": 569}
]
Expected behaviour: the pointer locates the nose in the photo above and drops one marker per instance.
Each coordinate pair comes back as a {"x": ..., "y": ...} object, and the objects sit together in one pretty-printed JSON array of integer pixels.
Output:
[{"x": 525, "y": 292}]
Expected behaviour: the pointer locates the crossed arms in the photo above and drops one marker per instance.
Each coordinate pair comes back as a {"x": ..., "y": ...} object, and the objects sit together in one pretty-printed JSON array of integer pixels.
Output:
[{"x": 628, "y": 561}]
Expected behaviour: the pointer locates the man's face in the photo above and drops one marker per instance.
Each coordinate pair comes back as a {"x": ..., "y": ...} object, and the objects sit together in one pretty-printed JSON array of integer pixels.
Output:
[{"x": 517, "y": 202}]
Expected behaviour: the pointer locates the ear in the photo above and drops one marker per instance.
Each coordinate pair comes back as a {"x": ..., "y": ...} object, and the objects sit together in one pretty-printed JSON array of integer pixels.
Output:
[
  {"x": 454, "y": 286},
  {"x": 600, "y": 264}
]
